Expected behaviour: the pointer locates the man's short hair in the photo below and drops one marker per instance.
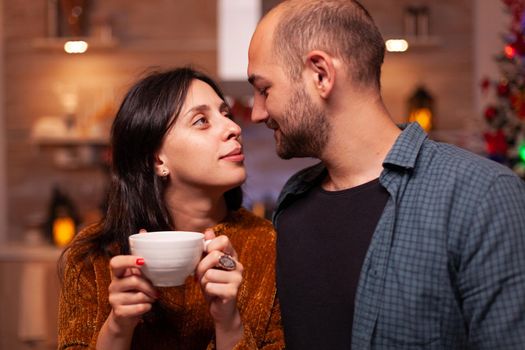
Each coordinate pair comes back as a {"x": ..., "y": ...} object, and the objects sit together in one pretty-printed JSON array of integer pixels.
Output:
[{"x": 342, "y": 28}]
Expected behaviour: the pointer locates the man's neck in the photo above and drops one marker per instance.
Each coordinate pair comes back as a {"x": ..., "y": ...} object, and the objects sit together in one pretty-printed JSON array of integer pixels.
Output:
[{"x": 359, "y": 142}]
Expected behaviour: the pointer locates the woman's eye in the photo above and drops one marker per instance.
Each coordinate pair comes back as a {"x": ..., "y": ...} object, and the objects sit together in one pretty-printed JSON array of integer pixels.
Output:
[
  {"x": 201, "y": 121},
  {"x": 228, "y": 115}
]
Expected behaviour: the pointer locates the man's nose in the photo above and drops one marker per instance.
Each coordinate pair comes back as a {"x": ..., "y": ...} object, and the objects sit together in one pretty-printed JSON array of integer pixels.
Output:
[{"x": 259, "y": 112}]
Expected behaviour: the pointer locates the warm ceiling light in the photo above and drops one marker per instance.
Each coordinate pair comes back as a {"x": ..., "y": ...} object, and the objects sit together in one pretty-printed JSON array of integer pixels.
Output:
[
  {"x": 396, "y": 45},
  {"x": 78, "y": 46}
]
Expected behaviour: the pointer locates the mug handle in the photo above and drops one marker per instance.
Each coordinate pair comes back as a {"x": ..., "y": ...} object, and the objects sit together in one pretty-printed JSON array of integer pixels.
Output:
[{"x": 206, "y": 242}]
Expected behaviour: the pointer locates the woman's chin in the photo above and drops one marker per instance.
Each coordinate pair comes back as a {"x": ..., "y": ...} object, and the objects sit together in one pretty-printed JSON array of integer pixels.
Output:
[{"x": 239, "y": 181}]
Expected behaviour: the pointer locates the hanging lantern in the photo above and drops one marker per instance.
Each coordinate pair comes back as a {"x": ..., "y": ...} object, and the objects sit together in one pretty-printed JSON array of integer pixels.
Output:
[
  {"x": 63, "y": 220},
  {"x": 420, "y": 108},
  {"x": 63, "y": 230}
]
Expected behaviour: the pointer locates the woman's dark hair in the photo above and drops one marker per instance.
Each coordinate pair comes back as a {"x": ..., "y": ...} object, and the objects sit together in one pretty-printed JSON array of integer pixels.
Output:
[{"x": 135, "y": 198}]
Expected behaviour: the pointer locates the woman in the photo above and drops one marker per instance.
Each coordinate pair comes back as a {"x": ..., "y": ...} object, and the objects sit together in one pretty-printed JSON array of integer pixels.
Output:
[{"x": 177, "y": 165}]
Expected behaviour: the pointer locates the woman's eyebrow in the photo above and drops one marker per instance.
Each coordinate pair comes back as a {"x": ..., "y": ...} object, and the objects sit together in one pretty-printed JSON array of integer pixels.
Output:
[
  {"x": 224, "y": 107},
  {"x": 199, "y": 108}
]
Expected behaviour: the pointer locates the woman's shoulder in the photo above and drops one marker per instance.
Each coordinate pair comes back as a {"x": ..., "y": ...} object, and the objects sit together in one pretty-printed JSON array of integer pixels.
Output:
[
  {"x": 244, "y": 220},
  {"x": 83, "y": 244},
  {"x": 252, "y": 236}
]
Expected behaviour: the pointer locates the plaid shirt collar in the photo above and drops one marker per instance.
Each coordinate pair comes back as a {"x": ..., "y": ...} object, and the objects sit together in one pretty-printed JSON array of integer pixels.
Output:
[
  {"x": 401, "y": 158},
  {"x": 406, "y": 148}
]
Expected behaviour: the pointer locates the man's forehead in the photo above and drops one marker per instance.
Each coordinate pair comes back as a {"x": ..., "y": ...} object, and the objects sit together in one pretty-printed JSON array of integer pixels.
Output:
[
  {"x": 265, "y": 29},
  {"x": 259, "y": 58},
  {"x": 260, "y": 53},
  {"x": 262, "y": 38}
]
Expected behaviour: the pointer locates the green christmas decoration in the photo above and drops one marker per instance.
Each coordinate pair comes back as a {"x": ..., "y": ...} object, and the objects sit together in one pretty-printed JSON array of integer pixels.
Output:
[{"x": 505, "y": 117}]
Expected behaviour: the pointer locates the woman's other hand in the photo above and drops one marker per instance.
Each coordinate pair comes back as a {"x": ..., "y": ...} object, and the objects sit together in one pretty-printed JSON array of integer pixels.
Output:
[{"x": 220, "y": 288}]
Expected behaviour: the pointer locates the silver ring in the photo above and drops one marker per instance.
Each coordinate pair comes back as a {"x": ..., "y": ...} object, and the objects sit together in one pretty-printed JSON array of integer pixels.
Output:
[{"x": 227, "y": 263}]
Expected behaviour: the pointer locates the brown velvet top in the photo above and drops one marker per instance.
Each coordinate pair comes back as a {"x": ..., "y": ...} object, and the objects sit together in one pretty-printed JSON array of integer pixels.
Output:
[{"x": 179, "y": 319}]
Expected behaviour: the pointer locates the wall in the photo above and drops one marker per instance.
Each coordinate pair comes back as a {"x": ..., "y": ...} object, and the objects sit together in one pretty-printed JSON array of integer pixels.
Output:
[
  {"x": 490, "y": 22},
  {"x": 3, "y": 168},
  {"x": 150, "y": 33},
  {"x": 444, "y": 68},
  {"x": 169, "y": 33}
]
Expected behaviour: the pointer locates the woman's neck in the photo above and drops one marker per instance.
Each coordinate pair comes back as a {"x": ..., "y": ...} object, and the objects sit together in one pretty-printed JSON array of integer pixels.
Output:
[{"x": 195, "y": 212}]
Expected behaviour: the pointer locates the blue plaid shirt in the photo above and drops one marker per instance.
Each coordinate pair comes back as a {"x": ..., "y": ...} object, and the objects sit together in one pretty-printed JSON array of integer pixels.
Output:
[{"x": 446, "y": 265}]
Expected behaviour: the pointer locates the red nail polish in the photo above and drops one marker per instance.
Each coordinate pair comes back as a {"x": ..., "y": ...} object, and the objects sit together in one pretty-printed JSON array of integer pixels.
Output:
[{"x": 139, "y": 261}]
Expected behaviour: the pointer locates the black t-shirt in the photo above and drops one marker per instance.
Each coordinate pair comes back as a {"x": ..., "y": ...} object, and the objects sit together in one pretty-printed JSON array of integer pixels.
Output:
[{"x": 322, "y": 241}]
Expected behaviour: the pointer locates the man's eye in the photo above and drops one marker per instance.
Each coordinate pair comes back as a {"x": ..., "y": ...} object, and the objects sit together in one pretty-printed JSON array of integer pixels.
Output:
[{"x": 263, "y": 92}]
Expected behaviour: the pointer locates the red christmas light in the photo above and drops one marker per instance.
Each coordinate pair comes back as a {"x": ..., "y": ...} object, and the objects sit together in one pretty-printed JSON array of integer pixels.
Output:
[
  {"x": 496, "y": 143},
  {"x": 485, "y": 84},
  {"x": 510, "y": 51},
  {"x": 490, "y": 113},
  {"x": 503, "y": 89}
]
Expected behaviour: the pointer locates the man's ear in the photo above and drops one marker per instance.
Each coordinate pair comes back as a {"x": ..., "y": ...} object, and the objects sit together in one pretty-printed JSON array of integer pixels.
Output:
[{"x": 321, "y": 67}]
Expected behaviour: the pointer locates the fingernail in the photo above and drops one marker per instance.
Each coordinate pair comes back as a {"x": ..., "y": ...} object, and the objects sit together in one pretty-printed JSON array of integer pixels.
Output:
[{"x": 139, "y": 261}]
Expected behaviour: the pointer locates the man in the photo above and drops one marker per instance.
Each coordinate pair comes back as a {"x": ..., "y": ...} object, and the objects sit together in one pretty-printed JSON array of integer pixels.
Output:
[{"x": 392, "y": 240}]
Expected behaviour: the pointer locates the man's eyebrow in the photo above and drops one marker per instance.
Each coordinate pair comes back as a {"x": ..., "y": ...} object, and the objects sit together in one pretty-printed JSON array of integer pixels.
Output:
[{"x": 253, "y": 79}]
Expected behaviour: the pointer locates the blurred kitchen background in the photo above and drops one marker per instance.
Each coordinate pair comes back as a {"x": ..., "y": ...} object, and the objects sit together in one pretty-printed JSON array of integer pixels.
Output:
[{"x": 56, "y": 109}]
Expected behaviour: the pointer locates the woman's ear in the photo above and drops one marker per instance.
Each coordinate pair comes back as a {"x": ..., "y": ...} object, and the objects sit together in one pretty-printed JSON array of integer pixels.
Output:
[
  {"x": 161, "y": 168},
  {"x": 320, "y": 67}
]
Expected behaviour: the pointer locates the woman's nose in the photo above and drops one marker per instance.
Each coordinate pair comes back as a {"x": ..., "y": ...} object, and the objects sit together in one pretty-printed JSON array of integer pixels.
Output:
[{"x": 233, "y": 130}]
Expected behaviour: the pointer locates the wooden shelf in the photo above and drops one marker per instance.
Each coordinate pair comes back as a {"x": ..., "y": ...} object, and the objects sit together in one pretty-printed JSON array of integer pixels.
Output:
[
  {"x": 132, "y": 45},
  {"x": 71, "y": 141},
  {"x": 57, "y": 43},
  {"x": 73, "y": 152},
  {"x": 19, "y": 252},
  {"x": 423, "y": 41},
  {"x": 428, "y": 41}
]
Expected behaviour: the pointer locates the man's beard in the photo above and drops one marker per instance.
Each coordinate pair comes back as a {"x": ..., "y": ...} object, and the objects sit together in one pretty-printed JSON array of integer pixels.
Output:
[{"x": 303, "y": 131}]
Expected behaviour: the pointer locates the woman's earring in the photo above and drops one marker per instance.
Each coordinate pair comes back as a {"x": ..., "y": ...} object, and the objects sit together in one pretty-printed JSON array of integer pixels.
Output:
[{"x": 164, "y": 174}]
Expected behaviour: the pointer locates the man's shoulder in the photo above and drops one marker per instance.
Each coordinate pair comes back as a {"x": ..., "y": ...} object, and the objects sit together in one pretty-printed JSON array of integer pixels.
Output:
[
  {"x": 449, "y": 174},
  {"x": 456, "y": 162}
]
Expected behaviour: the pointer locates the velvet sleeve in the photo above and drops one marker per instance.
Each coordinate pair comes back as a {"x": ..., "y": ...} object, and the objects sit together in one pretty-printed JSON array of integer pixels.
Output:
[
  {"x": 254, "y": 240},
  {"x": 77, "y": 313},
  {"x": 273, "y": 337}
]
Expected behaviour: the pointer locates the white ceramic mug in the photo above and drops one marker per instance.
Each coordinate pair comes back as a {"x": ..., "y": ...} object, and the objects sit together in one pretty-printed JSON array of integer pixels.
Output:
[{"x": 169, "y": 256}]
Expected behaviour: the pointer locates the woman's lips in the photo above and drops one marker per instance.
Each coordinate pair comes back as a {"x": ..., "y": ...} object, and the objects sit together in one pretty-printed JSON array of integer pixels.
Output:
[{"x": 234, "y": 156}]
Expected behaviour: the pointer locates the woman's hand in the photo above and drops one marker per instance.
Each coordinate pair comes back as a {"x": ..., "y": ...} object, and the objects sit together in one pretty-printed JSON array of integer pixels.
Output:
[
  {"x": 220, "y": 289},
  {"x": 130, "y": 294}
]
